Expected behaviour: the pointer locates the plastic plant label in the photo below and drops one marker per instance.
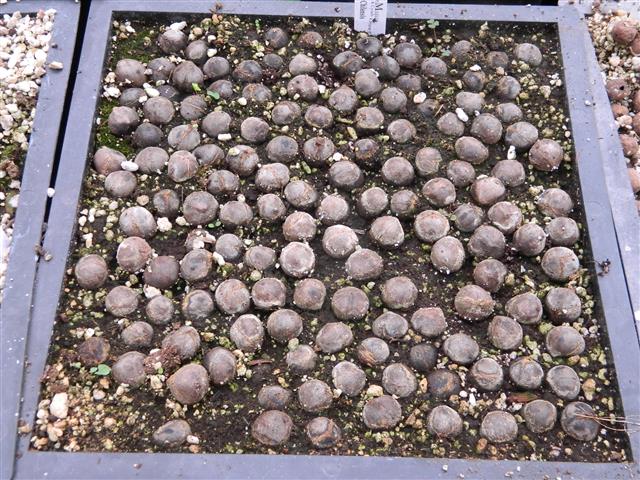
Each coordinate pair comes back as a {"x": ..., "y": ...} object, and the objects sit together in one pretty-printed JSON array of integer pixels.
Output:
[{"x": 370, "y": 16}]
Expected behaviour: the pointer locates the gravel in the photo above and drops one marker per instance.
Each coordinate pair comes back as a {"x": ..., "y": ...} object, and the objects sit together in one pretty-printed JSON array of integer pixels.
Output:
[
  {"x": 24, "y": 43},
  {"x": 616, "y": 38}
]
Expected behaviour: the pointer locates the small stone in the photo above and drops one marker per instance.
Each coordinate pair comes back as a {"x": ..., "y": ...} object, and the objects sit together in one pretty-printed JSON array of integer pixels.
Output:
[
  {"x": 93, "y": 351},
  {"x": 272, "y": 428},
  {"x": 499, "y": 427},
  {"x": 473, "y": 303},
  {"x": 504, "y": 333},
  {"x": 576, "y": 423},
  {"x": 189, "y": 384},
  {"x": 274, "y": 397},
  {"x": 390, "y": 326},
  {"x": 323, "y": 432},
  {"x": 540, "y": 415},
  {"x": 399, "y": 293},
  {"x": 589, "y": 388},
  {"x": 302, "y": 359},
  {"x": 348, "y": 378},
  {"x": 444, "y": 422},
  {"x": 461, "y": 348},
  {"x": 564, "y": 341},
  {"x": 487, "y": 374},
  {"x": 443, "y": 383},
  {"x": 564, "y": 382},
  {"x": 315, "y": 395},
  {"x": 350, "y": 303},
  {"x": 382, "y": 413},
  {"x": 526, "y": 373},
  {"x": 172, "y": 434},
  {"x": 399, "y": 380},
  {"x": 373, "y": 351},
  {"x": 334, "y": 337},
  {"x": 221, "y": 365},
  {"x": 247, "y": 332},
  {"x": 59, "y": 406},
  {"x": 423, "y": 357}
]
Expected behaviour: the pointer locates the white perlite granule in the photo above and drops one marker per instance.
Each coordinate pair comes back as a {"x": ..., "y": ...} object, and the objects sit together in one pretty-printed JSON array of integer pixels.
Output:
[{"x": 24, "y": 42}]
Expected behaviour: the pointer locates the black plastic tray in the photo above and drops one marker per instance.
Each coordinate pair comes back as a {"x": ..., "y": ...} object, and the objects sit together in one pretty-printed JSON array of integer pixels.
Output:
[
  {"x": 27, "y": 231},
  {"x": 614, "y": 294}
]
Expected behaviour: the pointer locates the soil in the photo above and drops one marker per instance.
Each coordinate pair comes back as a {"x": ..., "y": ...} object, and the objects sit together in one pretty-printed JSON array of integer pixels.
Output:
[{"x": 124, "y": 420}]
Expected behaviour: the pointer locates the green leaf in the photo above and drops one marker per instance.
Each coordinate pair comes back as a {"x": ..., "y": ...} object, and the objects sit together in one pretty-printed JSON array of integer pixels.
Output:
[
  {"x": 214, "y": 95},
  {"x": 196, "y": 87},
  {"x": 101, "y": 370}
]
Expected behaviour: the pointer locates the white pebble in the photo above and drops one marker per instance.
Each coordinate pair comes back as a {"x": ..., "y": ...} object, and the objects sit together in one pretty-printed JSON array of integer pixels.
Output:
[
  {"x": 224, "y": 137},
  {"x": 511, "y": 153},
  {"x": 14, "y": 201},
  {"x": 164, "y": 225},
  {"x": 419, "y": 97},
  {"x": 129, "y": 166},
  {"x": 545, "y": 90},
  {"x": 462, "y": 115},
  {"x": 178, "y": 26},
  {"x": 6, "y": 122},
  {"x": 151, "y": 92},
  {"x": 59, "y": 406},
  {"x": 112, "y": 92},
  {"x": 218, "y": 258},
  {"x": 375, "y": 391},
  {"x": 150, "y": 292}
]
